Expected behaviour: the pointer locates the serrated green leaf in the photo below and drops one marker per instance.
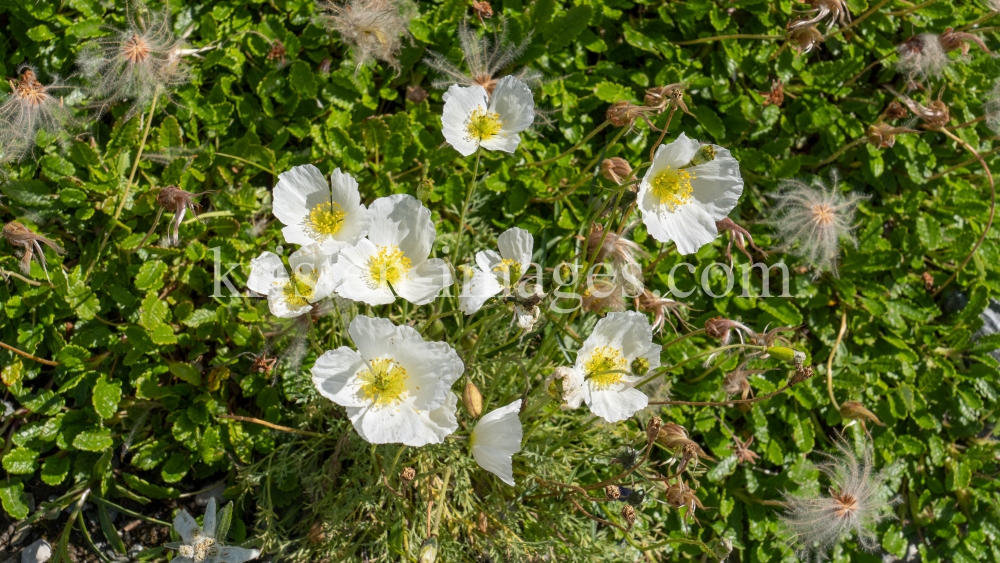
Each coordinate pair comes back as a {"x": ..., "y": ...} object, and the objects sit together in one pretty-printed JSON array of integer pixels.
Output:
[
  {"x": 93, "y": 440},
  {"x": 21, "y": 461},
  {"x": 107, "y": 394}
]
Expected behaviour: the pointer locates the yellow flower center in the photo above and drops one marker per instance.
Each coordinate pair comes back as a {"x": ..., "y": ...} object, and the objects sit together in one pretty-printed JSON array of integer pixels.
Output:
[
  {"x": 388, "y": 266},
  {"x": 673, "y": 187},
  {"x": 483, "y": 125},
  {"x": 384, "y": 383},
  {"x": 605, "y": 367},
  {"x": 300, "y": 289},
  {"x": 324, "y": 220},
  {"x": 508, "y": 272}
]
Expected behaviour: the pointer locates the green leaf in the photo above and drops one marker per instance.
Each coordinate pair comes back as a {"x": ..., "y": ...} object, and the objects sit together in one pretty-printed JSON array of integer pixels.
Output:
[
  {"x": 55, "y": 469},
  {"x": 300, "y": 77},
  {"x": 187, "y": 372},
  {"x": 106, "y": 397},
  {"x": 147, "y": 488},
  {"x": 20, "y": 461},
  {"x": 72, "y": 355},
  {"x": 15, "y": 502},
  {"x": 612, "y": 92},
  {"x": 176, "y": 468},
  {"x": 93, "y": 440},
  {"x": 222, "y": 522},
  {"x": 710, "y": 121},
  {"x": 109, "y": 530},
  {"x": 150, "y": 276},
  {"x": 154, "y": 311},
  {"x": 163, "y": 335}
]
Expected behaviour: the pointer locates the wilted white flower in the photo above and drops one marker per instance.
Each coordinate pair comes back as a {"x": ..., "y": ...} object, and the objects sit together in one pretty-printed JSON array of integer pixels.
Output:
[
  {"x": 396, "y": 387},
  {"x": 394, "y": 257},
  {"x": 687, "y": 189},
  {"x": 495, "y": 439},
  {"x": 497, "y": 272},
  {"x": 290, "y": 296},
  {"x": 135, "y": 63},
  {"x": 856, "y": 503},
  {"x": 30, "y": 108},
  {"x": 199, "y": 543},
  {"x": 373, "y": 29},
  {"x": 613, "y": 358},
  {"x": 316, "y": 211},
  {"x": 472, "y": 119},
  {"x": 484, "y": 59},
  {"x": 811, "y": 221}
]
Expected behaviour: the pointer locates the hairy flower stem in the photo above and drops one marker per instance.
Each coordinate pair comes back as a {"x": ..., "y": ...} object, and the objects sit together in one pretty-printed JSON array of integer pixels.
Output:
[
  {"x": 993, "y": 208},
  {"x": 441, "y": 501},
  {"x": 829, "y": 361},
  {"x": 568, "y": 151},
  {"x": 128, "y": 186},
  {"x": 5, "y": 274},
  {"x": 272, "y": 425},
  {"x": 977, "y": 21},
  {"x": 159, "y": 213},
  {"x": 724, "y": 37},
  {"x": 686, "y": 336},
  {"x": 836, "y": 154},
  {"x": 465, "y": 208},
  {"x": 27, "y": 355},
  {"x": 860, "y": 19},
  {"x": 663, "y": 133},
  {"x": 662, "y": 370},
  {"x": 962, "y": 165}
]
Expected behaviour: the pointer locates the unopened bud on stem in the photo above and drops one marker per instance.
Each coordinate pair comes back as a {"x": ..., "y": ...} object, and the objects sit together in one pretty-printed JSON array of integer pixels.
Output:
[{"x": 472, "y": 399}]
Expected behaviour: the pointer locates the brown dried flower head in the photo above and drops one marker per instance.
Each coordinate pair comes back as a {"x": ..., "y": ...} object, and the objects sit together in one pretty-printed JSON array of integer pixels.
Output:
[
  {"x": 612, "y": 492},
  {"x": 416, "y": 94},
  {"x": 737, "y": 381},
  {"x": 674, "y": 438},
  {"x": 662, "y": 308},
  {"x": 836, "y": 11},
  {"x": 896, "y": 110},
  {"x": 723, "y": 329},
  {"x": 679, "y": 495},
  {"x": 482, "y": 9},
  {"x": 485, "y": 58},
  {"x": 263, "y": 365},
  {"x": 803, "y": 38},
  {"x": 738, "y": 236},
  {"x": 776, "y": 96},
  {"x": 883, "y": 135},
  {"x": 277, "y": 53},
  {"x": 672, "y": 95},
  {"x": 629, "y": 515},
  {"x": 624, "y": 113},
  {"x": 956, "y": 40},
  {"x": 178, "y": 202},
  {"x": 602, "y": 295},
  {"x": 614, "y": 246},
  {"x": 407, "y": 475},
  {"x": 373, "y": 29},
  {"x": 935, "y": 114},
  {"x": 853, "y": 410},
  {"x": 30, "y": 246},
  {"x": 615, "y": 169},
  {"x": 743, "y": 452}
]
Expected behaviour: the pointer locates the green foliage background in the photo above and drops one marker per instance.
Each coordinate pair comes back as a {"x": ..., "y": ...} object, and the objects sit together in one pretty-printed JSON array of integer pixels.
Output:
[{"x": 137, "y": 342}]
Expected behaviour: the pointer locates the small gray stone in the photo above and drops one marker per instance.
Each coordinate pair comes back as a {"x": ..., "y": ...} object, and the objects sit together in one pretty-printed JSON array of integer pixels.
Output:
[{"x": 38, "y": 552}]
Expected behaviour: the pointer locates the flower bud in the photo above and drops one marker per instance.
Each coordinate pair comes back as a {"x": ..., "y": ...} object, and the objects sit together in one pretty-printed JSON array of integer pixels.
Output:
[
  {"x": 787, "y": 355},
  {"x": 429, "y": 550},
  {"x": 619, "y": 114},
  {"x": 640, "y": 366},
  {"x": 705, "y": 154},
  {"x": 716, "y": 327},
  {"x": 853, "y": 410},
  {"x": 424, "y": 189},
  {"x": 628, "y": 513},
  {"x": 472, "y": 399},
  {"x": 721, "y": 547},
  {"x": 616, "y": 169},
  {"x": 436, "y": 330},
  {"x": 612, "y": 492},
  {"x": 484, "y": 525},
  {"x": 407, "y": 475},
  {"x": 653, "y": 429}
]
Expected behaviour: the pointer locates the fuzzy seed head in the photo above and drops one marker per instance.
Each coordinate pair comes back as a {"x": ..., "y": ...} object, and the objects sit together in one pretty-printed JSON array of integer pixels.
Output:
[
  {"x": 855, "y": 504},
  {"x": 373, "y": 29},
  {"x": 484, "y": 59},
  {"x": 813, "y": 220},
  {"x": 991, "y": 108},
  {"x": 922, "y": 57},
  {"x": 31, "y": 107}
]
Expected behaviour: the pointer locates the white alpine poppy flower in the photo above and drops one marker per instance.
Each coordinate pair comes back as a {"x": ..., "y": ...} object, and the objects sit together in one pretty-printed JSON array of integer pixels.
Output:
[
  {"x": 393, "y": 257},
  {"x": 315, "y": 213},
  {"x": 495, "y": 439},
  {"x": 472, "y": 119},
  {"x": 199, "y": 543},
  {"x": 613, "y": 358},
  {"x": 290, "y": 296},
  {"x": 497, "y": 272},
  {"x": 687, "y": 189},
  {"x": 396, "y": 387}
]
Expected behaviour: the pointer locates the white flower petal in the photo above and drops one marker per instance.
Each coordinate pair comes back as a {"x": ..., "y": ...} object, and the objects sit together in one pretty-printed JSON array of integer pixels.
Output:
[
  {"x": 674, "y": 154},
  {"x": 572, "y": 385},
  {"x": 187, "y": 527},
  {"x": 297, "y": 192},
  {"x": 424, "y": 282},
  {"x": 352, "y": 278},
  {"x": 506, "y": 142},
  {"x": 441, "y": 421},
  {"x": 517, "y": 244},
  {"x": 295, "y": 234},
  {"x": 718, "y": 184},
  {"x": 478, "y": 291},
  {"x": 281, "y": 308},
  {"x": 487, "y": 260},
  {"x": 459, "y": 104},
  {"x": 395, "y": 424},
  {"x": 526, "y": 320},
  {"x": 496, "y": 438},
  {"x": 376, "y": 337},
  {"x": 401, "y": 220},
  {"x": 309, "y": 259},
  {"x": 617, "y": 402},
  {"x": 233, "y": 554},
  {"x": 333, "y": 375},
  {"x": 690, "y": 226},
  {"x": 513, "y": 102},
  {"x": 208, "y": 522},
  {"x": 266, "y": 271},
  {"x": 431, "y": 369}
]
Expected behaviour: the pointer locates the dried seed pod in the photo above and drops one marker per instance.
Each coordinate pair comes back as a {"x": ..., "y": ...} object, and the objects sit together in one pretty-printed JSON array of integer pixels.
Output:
[
  {"x": 472, "y": 399},
  {"x": 31, "y": 245},
  {"x": 804, "y": 38},
  {"x": 616, "y": 169},
  {"x": 612, "y": 492},
  {"x": 629, "y": 514},
  {"x": 484, "y": 525},
  {"x": 776, "y": 96},
  {"x": 672, "y": 95},
  {"x": 407, "y": 475},
  {"x": 883, "y": 135}
]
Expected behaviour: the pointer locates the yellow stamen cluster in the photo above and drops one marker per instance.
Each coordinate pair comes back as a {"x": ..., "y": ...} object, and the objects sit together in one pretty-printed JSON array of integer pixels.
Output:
[
  {"x": 324, "y": 220},
  {"x": 388, "y": 266},
  {"x": 673, "y": 187},
  {"x": 508, "y": 271},
  {"x": 300, "y": 289},
  {"x": 136, "y": 49},
  {"x": 483, "y": 125},
  {"x": 605, "y": 367},
  {"x": 384, "y": 383}
]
